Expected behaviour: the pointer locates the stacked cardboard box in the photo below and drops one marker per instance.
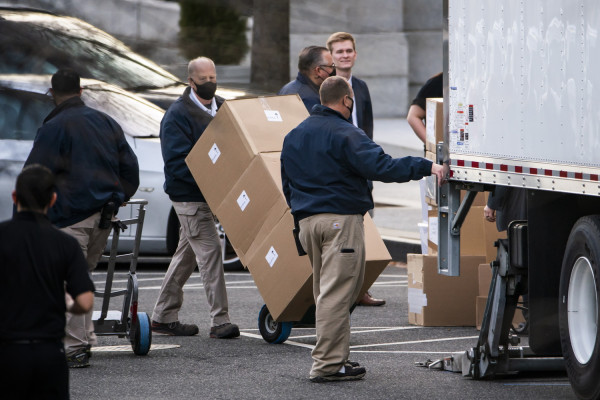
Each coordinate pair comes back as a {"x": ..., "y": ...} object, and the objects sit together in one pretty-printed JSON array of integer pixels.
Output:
[
  {"x": 236, "y": 165},
  {"x": 439, "y": 300}
]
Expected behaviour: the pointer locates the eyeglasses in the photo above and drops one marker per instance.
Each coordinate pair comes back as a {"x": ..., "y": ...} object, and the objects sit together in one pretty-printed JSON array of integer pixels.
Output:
[{"x": 328, "y": 66}]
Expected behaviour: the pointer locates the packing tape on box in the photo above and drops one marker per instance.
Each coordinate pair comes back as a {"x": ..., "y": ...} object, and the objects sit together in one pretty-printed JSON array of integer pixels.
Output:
[
  {"x": 416, "y": 300},
  {"x": 272, "y": 115}
]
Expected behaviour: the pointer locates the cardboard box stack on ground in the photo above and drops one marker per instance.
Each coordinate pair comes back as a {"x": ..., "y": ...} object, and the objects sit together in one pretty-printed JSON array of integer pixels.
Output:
[
  {"x": 439, "y": 300},
  {"x": 236, "y": 165}
]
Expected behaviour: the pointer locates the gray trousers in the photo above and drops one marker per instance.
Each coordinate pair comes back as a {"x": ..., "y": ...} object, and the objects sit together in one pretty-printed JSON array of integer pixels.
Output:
[
  {"x": 79, "y": 330},
  {"x": 198, "y": 244},
  {"x": 335, "y": 245}
]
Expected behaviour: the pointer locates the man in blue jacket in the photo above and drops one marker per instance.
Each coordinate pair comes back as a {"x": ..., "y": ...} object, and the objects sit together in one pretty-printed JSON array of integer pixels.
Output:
[
  {"x": 199, "y": 243},
  {"x": 325, "y": 164},
  {"x": 315, "y": 64},
  {"x": 343, "y": 50},
  {"x": 95, "y": 170}
]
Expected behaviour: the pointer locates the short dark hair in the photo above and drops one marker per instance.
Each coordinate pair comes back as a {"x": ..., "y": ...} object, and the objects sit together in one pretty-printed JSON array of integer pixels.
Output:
[
  {"x": 333, "y": 89},
  {"x": 66, "y": 81},
  {"x": 310, "y": 57},
  {"x": 34, "y": 187}
]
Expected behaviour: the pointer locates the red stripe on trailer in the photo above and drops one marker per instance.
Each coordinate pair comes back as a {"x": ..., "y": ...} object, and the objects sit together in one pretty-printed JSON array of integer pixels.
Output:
[
  {"x": 475, "y": 164},
  {"x": 578, "y": 175},
  {"x": 563, "y": 174},
  {"x": 518, "y": 169},
  {"x": 460, "y": 163},
  {"x": 548, "y": 172},
  {"x": 489, "y": 166},
  {"x": 503, "y": 167},
  {"x": 594, "y": 177},
  {"x": 533, "y": 171}
]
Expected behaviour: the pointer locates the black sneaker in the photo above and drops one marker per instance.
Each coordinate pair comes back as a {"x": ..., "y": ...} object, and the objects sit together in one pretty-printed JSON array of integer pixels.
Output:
[
  {"x": 350, "y": 374},
  {"x": 351, "y": 363},
  {"x": 78, "y": 359},
  {"x": 225, "y": 331},
  {"x": 175, "y": 328}
]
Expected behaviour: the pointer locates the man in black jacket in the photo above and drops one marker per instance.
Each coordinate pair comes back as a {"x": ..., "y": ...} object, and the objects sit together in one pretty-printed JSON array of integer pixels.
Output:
[
  {"x": 325, "y": 164},
  {"x": 95, "y": 170},
  {"x": 36, "y": 260},
  {"x": 183, "y": 124}
]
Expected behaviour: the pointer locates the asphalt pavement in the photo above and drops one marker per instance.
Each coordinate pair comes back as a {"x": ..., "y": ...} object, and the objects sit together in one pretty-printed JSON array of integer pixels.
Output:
[{"x": 249, "y": 368}]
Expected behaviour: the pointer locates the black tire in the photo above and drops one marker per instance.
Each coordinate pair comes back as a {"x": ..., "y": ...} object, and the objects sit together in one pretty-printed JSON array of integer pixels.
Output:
[
  {"x": 578, "y": 307},
  {"x": 142, "y": 335},
  {"x": 273, "y": 332}
]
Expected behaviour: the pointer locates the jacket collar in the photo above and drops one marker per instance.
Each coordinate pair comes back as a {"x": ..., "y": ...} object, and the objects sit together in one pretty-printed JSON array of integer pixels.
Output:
[
  {"x": 306, "y": 81},
  {"x": 192, "y": 107},
  {"x": 72, "y": 102},
  {"x": 320, "y": 109}
]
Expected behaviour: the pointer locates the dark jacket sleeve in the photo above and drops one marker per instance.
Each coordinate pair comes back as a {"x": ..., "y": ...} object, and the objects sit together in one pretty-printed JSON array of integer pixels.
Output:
[
  {"x": 48, "y": 149},
  {"x": 367, "y": 159},
  {"x": 285, "y": 184},
  {"x": 365, "y": 112}
]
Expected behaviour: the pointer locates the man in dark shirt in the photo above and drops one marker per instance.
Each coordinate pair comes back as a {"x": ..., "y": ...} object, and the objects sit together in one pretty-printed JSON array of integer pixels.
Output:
[
  {"x": 315, "y": 64},
  {"x": 95, "y": 169},
  {"x": 325, "y": 164},
  {"x": 36, "y": 260},
  {"x": 434, "y": 87}
]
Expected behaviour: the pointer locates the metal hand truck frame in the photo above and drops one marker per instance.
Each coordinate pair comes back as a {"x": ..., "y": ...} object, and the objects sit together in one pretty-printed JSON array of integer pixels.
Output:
[{"x": 128, "y": 322}]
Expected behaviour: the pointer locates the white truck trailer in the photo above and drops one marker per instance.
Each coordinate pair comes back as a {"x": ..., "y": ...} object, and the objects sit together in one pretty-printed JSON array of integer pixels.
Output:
[{"x": 522, "y": 106}]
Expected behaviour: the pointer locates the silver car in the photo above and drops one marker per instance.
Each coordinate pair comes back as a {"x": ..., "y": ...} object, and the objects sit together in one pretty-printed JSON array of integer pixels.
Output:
[{"x": 24, "y": 103}]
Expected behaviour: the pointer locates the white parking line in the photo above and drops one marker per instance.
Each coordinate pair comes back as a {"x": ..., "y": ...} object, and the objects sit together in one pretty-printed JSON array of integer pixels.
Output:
[
  {"x": 290, "y": 342},
  {"x": 367, "y": 330},
  {"x": 415, "y": 342}
]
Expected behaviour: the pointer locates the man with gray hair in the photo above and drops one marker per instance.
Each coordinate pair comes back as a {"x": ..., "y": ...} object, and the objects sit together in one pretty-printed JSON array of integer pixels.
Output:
[
  {"x": 325, "y": 164},
  {"x": 315, "y": 64},
  {"x": 183, "y": 124}
]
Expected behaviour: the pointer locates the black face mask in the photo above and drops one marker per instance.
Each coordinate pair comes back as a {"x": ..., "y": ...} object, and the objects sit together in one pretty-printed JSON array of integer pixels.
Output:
[
  {"x": 206, "y": 91},
  {"x": 351, "y": 108}
]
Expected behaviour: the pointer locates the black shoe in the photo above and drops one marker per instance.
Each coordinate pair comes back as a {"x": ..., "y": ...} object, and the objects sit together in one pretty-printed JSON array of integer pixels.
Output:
[
  {"x": 350, "y": 374},
  {"x": 353, "y": 364},
  {"x": 175, "y": 328},
  {"x": 78, "y": 359},
  {"x": 225, "y": 331},
  {"x": 88, "y": 350}
]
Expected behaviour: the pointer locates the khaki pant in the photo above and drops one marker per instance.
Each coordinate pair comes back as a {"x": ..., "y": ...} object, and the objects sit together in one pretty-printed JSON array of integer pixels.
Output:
[
  {"x": 79, "y": 330},
  {"x": 336, "y": 247},
  {"x": 198, "y": 244}
]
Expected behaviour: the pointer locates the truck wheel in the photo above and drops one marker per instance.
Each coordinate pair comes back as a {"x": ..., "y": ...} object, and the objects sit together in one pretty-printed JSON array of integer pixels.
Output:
[
  {"x": 273, "y": 332},
  {"x": 578, "y": 307}
]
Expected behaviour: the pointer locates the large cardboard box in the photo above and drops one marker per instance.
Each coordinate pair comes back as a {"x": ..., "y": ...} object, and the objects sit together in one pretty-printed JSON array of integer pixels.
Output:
[
  {"x": 240, "y": 130},
  {"x": 434, "y": 122},
  {"x": 440, "y": 300},
  {"x": 254, "y": 205},
  {"x": 284, "y": 279}
]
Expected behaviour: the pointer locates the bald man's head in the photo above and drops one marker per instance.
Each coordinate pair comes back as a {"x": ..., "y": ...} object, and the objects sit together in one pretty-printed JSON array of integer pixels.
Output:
[{"x": 202, "y": 78}]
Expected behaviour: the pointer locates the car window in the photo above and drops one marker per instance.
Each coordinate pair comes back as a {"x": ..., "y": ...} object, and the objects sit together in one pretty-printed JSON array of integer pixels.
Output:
[
  {"x": 43, "y": 48},
  {"x": 22, "y": 113},
  {"x": 137, "y": 117}
]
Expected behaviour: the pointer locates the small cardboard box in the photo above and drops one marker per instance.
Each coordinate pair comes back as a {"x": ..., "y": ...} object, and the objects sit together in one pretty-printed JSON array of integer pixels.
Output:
[
  {"x": 240, "y": 130},
  {"x": 434, "y": 123},
  {"x": 439, "y": 300},
  {"x": 254, "y": 205},
  {"x": 284, "y": 279},
  {"x": 480, "y": 304},
  {"x": 472, "y": 238}
]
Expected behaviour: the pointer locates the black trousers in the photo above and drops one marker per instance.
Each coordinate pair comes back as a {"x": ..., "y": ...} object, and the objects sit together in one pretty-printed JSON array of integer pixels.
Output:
[{"x": 33, "y": 371}]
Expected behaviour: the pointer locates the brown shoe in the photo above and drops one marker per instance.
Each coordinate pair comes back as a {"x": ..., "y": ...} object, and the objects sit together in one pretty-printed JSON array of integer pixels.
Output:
[{"x": 368, "y": 301}]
